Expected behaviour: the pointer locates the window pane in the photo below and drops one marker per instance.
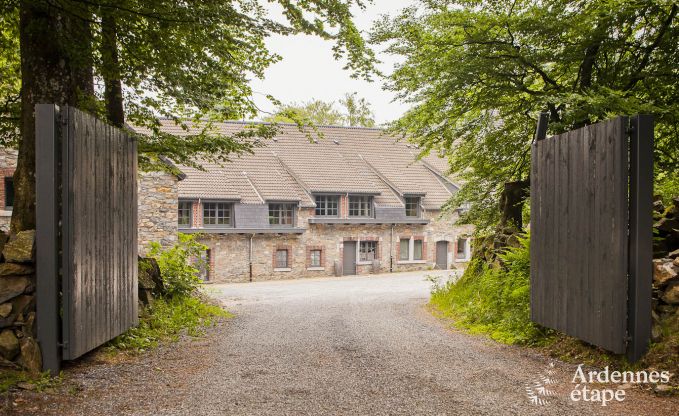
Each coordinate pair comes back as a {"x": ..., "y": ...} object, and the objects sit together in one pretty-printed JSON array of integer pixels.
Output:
[
  {"x": 360, "y": 206},
  {"x": 461, "y": 248},
  {"x": 281, "y": 259},
  {"x": 326, "y": 205},
  {"x": 315, "y": 258},
  {"x": 281, "y": 214},
  {"x": 417, "y": 250},
  {"x": 9, "y": 192},
  {"x": 184, "y": 213},
  {"x": 405, "y": 247},
  {"x": 412, "y": 207},
  {"x": 216, "y": 213},
  {"x": 368, "y": 251}
]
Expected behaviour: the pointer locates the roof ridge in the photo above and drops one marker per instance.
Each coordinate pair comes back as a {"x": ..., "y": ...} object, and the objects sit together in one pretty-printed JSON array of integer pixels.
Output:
[{"x": 244, "y": 122}]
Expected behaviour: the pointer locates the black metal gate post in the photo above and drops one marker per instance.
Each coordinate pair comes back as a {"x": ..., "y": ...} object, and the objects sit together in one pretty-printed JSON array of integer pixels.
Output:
[
  {"x": 641, "y": 236},
  {"x": 47, "y": 233}
]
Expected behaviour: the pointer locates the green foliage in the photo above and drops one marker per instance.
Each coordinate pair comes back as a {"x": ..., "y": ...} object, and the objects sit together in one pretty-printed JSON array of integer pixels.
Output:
[
  {"x": 494, "y": 301},
  {"x": 314, "y": 112},
  {"x": 166, "y": 320},
  {"x": 355, "y": 112},
  {"x": 179, "y": 60},
  {"x": 180, "y": 265},
  {"x": 10, "y": 75},
  {"x": 478, "y": 73},
  {"x": 667, "y": 186}
]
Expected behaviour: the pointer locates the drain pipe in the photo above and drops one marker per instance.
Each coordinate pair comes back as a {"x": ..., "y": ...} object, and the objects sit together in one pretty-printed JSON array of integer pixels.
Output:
[
  {"x": 391, "y": 250},
  {"x": 250, "y": 256}
]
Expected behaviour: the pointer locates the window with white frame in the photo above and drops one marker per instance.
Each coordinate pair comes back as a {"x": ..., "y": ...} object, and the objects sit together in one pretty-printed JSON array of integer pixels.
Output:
[
  {"x": 315, "y": 258},
  {"x": 281, "y": 215},
  {"x": 184, "y": 209},
  {"x": 367, "y": 251},
  {"x": 327, "y": 205},
  {"x": 463, "y": 249},
  {"x": 217, "y": 214},
  {"x": 360, "y": 206},
  {"x": 411, "y": 249}
]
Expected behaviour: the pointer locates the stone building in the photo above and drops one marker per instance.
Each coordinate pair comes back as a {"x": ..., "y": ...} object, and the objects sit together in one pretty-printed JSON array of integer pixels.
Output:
[
  {"x": 337, "y": 201},
  {"x": 157, "y": 199},
  {"x": 8, "y": 164}
]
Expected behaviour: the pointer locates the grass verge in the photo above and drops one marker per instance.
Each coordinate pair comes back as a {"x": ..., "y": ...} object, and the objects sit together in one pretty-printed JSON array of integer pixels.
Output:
[
  {"x": 495, "y": 302},
  {"x": 166, "y": 321}
]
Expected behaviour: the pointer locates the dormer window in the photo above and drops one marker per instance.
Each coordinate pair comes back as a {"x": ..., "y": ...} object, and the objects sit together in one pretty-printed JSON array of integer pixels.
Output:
[
  {"x": 360, "y": 206},
  {"x": 412, "y": 206},
  {"x": 217, "y": 214},
  {"x": 327, "y": 205},
  {"x": 184, "y": 209},
  {"x": 281, "y": 215}
]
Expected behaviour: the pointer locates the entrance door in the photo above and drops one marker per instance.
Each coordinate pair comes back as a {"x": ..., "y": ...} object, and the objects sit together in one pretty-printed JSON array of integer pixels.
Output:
[
  {"x": 442, "y": 255},
  {"x": 349, "y": 261}
]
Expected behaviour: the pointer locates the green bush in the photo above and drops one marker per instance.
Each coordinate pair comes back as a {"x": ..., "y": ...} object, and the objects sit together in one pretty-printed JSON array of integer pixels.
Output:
[
  {"x": 166, "y": 320},
  {"x": 495, "y": 301},
  {"x": 179, "y": 264}
]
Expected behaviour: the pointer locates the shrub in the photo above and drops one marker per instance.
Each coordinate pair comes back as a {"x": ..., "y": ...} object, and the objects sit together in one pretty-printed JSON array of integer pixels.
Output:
[
  {"x": 179, "y": 265},
  {"x": 495, "y": 301}
]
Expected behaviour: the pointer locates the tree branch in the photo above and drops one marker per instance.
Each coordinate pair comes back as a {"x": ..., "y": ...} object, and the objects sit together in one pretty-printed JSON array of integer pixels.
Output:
[{"x": 652, "y": 47}]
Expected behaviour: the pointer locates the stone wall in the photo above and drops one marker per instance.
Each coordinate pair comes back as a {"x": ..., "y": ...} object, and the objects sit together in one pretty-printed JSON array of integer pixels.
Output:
[
  {"x": 157, "y": 210},
  {"x": 18, "y": 345},
  {"x": 8, "y": 163},
  {"x": 229, "y": 253},
  {"x": 665, "y": 265}
]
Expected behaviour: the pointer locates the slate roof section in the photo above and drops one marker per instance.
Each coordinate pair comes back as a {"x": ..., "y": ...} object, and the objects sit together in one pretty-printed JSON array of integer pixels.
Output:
[{"x": 343, "y": 160}]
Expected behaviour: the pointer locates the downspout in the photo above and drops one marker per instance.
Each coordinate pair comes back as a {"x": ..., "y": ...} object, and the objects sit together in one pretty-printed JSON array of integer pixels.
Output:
[
  {"x": 250, "y": 256},
  {"x": 391, "y": 250}
]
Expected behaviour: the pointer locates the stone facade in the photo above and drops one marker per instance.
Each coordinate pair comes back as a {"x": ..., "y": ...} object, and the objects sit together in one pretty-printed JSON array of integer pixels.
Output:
[
  {"x": 8, "y": 163},
  {"x": 230, "y": 253},
  {"x": 157, "y": 210}
]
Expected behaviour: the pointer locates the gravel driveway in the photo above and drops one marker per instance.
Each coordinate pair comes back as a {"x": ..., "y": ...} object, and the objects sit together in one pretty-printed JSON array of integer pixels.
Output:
[{"x": 345, "y": 346}]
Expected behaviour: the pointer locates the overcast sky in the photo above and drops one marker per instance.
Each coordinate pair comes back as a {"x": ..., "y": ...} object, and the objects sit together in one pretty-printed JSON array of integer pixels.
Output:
[{"x": 308, "y": 70}]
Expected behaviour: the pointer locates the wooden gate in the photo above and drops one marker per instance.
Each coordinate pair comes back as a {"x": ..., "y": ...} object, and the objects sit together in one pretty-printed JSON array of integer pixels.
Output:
[
  {"x": 591, "y": 233},
  {"x": 86, "y": 180}
]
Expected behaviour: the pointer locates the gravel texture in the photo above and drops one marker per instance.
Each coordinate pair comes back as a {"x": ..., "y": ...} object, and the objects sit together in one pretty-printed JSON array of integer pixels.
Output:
[{"x": 345, "y": 346}]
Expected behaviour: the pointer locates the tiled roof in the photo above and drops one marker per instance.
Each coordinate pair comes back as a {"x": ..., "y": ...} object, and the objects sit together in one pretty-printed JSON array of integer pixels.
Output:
[{"x": 342, "y": 160}]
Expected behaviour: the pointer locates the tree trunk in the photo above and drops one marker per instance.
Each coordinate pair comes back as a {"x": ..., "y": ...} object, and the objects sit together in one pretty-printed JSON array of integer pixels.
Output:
[
  {"x": 48, "y": 77},
  {"x": 512, "y": 198},
  {"x": 111, "y": 70}
]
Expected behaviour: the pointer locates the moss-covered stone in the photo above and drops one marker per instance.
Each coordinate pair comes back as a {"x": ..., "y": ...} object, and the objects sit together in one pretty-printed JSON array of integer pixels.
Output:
[{"x": 20, "y": 248}]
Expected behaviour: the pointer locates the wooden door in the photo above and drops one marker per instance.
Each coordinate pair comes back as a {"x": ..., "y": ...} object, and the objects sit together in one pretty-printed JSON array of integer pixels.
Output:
[
  {"x": 349, "y": 258},
  {"x": 442, "y": 255}
]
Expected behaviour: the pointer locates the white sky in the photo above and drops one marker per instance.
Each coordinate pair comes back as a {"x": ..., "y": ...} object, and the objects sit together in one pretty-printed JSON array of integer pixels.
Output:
[{"x": 308, "y": 70}]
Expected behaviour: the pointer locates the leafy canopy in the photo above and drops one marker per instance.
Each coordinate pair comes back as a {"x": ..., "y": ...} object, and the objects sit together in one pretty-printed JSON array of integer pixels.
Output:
[
  {"x": 478, "y": 73},
  {"x": 354, "y": 111},
  {"x": 182, "y": 60}
]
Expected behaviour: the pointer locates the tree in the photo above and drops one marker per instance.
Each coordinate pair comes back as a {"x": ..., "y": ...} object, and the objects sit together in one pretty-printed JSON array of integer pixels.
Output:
[
  {"x": 314, "y": 112},
  {"x": 478, "y": 73},
  {"x": 151, "y": 58},
  {"x": 356, "y": 113}
]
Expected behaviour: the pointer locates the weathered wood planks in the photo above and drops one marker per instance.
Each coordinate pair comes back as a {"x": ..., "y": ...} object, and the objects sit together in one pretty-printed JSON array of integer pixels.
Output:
[
  {"x": 99, "y": 215},
  {"x": 579, "y": 248}
]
